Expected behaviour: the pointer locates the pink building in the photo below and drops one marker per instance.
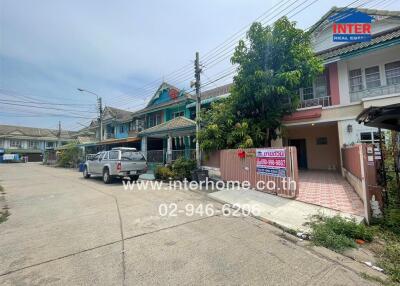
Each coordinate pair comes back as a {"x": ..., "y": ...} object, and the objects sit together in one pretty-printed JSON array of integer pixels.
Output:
[{"x": 357, "y": 75}]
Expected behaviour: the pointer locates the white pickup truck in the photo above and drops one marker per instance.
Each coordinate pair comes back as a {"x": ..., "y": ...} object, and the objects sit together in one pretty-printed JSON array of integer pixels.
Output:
[{"x": 119, "y": 162}]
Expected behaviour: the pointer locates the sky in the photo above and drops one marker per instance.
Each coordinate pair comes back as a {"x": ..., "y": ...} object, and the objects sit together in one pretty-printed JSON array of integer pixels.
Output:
[{"x": 123, "y": 50}]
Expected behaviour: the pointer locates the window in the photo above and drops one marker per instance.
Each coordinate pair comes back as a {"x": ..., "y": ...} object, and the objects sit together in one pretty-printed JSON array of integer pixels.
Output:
[
  {"x": 49, "y": 144},
  {"x": 355, "y": 80},
  {"x": 320, "y": 86},
  {"x": 15, "y": 143},
  {"x": 113, "y": 155},
  {"x": 372, "y": 77},
  {"x": 33, "y": 145},
  {"x": 96, "y": 157},
  {"x": 132, "y": 156},
  {"x": 392, "y": 71},
  {"x": 154, "y": 119},
  {"x": 132, "y": 126},
  {"x": 370, "y": 137},
  {"x": 121, "y": 129},
  {"x": 308, "y": 93},
  {"x": 177, "y": 114},
  {"x": 322, "y": 141},
  {"x": 366, "y": 137}
]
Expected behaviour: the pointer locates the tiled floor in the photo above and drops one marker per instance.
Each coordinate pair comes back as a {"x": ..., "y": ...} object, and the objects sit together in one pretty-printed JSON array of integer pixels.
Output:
[{"x": 329, "y": 189}]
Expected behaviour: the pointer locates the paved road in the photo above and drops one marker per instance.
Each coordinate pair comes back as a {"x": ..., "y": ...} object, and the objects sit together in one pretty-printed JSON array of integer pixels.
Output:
[{"x": 64, "y": 230}]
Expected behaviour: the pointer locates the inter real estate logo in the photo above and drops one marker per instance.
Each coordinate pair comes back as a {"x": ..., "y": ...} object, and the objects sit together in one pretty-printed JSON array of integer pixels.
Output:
[{"x": 351, "y": 25}]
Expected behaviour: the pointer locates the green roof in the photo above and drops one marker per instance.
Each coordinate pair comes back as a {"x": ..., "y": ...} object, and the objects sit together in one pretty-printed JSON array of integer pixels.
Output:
[{"x": 178, "y": 123}]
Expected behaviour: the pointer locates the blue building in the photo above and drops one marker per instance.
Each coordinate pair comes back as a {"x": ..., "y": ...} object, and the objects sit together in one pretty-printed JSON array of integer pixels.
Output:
[{"x": 164, "y": 130}]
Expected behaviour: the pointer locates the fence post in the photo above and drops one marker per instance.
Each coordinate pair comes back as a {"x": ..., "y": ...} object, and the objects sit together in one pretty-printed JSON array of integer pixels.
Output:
[{"x": 363, "y": 161}]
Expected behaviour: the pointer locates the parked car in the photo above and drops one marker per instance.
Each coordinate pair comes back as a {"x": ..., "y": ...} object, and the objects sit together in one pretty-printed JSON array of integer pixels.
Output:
[{"x": 119, "y": 162}]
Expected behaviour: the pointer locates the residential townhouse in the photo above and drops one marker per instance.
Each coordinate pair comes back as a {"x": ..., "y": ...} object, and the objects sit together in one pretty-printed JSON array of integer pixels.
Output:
[
  {"x": 164, "y": 129},
  {"x": 357, "y": 76},
  {"x": 31, "y": 142}
]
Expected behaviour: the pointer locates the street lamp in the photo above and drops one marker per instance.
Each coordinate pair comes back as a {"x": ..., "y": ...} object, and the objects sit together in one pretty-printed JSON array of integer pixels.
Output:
[{"x": 100, "y": 106}]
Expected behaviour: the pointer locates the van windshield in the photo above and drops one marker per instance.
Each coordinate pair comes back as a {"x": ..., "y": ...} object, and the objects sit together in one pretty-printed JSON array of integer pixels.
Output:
[{"x": 132, "y": 156}]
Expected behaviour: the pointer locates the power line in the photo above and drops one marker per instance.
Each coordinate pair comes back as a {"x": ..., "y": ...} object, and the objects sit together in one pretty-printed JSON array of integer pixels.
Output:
[
  {"x": 214, "y": 57},
  {"x": 224, "y": 56},
  {"x": 40, "y": 107}
]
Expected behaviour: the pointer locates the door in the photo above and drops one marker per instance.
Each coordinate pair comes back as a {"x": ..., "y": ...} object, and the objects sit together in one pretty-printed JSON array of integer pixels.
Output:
[
  {"x": 301, "y": 147},
  {"x": 96, "y": 163}
]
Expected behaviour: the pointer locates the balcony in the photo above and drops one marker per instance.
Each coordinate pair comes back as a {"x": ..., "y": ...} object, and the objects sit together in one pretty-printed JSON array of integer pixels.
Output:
[
  {"x": 110, "y": 135},
  {"x": 133, "y": 133},
  {"x": 376, "y": 91},
  {"x": 323, "y": 101}
]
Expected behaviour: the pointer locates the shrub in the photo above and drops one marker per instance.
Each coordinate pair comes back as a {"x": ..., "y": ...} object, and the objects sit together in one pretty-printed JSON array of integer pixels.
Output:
[
  {"x": 391, "y": 260},
  {"x": 338, "y": 233},
  {"x": 392, "y": 220},
  {"x": 163, "y": 173},
  {"x": 70, "y": 156},
  {"x": 182, "y": 168}
]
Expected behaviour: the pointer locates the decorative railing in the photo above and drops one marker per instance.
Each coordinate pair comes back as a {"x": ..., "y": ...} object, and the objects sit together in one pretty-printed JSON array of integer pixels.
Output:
[
  {"x": 177, "y": 154},
  {"x": 110, "y": 135},
  {"x": 188, "y": 154},
  {"x": 323, "y": 101},
  {"x": 376, "y": 91},
  {"x": 155, "y": 156}
]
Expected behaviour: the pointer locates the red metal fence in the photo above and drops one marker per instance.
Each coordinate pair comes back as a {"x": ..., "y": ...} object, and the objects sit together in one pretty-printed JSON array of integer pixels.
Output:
[{"x": 236, "y": 167}]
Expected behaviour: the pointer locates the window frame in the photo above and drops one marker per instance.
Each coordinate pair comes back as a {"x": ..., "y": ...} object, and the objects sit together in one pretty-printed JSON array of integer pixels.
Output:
[
  {"x": 391, "y": 70},
  {"x": 18, "y": 145},
  {"x": 369, "y": 75},
  {"x": 178, "y": 114},
  {"x": 360, "y": 77},
  {"x": 113, "y": 152}
]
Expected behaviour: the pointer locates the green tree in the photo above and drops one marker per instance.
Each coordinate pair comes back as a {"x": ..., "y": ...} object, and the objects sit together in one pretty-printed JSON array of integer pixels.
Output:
[
  {"x": 221, "y": 130},
  {"x": 69, "y": 156},
  {"x": 274, "y": 62}
]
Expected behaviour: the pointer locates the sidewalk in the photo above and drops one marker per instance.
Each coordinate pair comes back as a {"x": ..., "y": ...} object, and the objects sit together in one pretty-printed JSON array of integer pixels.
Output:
[{"x": 286, "y": 213}]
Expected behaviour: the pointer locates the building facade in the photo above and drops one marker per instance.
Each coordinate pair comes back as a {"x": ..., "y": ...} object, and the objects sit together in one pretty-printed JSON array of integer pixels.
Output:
[
  {"x": 31, "y": 142},
  {"x": 164, "y": 130},
  {"x": 357, "y": 76}
]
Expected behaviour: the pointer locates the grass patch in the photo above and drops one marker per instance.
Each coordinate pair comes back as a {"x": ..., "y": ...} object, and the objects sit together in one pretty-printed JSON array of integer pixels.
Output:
[
  {"x": 338, "y": 233},
  {"x": 389, "y": 254},
  {"x": 4, "y": 215}
]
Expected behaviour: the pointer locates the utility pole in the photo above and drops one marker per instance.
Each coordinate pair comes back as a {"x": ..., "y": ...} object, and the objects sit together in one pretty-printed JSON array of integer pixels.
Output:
[
  {"x": 100, "y": 108},
  {"x": 59, "y": 133},
  {"x": 197, "y": 71},
  {"x": 100, "y": 119}
]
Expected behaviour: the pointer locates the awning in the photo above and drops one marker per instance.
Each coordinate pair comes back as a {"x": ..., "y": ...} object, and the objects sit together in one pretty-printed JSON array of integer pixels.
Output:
[
  {"x": 208, "y": 100},
  {"x": 111, "y": 141},
  {"x": 178, "y": 126},
  {"x": 387, "y": 117},
  {"x": 25, "y": 151}
]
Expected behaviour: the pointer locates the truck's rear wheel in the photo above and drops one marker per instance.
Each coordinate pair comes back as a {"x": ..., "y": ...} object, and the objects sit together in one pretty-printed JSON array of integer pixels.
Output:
[
  {"x": 106, "y": 176},
  {"x": 134, "y": 177}
]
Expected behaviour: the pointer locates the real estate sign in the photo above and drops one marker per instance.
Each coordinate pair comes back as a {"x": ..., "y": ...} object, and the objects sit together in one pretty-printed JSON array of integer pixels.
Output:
[{"x": 271, "y": 162}]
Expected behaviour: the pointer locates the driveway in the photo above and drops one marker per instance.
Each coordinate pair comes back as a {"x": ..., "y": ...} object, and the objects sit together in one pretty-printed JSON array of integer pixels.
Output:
[{"x": 65, "y": 230}]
